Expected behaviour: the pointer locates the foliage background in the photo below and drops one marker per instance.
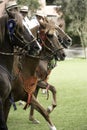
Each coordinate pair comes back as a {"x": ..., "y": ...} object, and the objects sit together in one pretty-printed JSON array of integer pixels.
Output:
[
  {"x": 32, "y": 4},
  {"x": 75, "y": 15}
]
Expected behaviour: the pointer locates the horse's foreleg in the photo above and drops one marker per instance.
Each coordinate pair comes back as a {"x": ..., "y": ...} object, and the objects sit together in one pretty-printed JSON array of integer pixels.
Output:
[
  {"x": 7, "y": 106},
  {"x": 31, "y": 115},
  {"x": 54, "y": 103},
  {"x": 43, "y": 112},
  {"x": 3, "y": 125},
  {"x": 47, "y": 86},
  {"x": 43, "y": 85}
]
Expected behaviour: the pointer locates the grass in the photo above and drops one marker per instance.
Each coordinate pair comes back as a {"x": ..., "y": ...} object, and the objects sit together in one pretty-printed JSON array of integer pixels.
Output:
[{"x": 70, "y": 80}]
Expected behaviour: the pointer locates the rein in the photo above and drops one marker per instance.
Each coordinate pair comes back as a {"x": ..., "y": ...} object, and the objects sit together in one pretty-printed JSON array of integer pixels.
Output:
[
  {"x": 42, "y": 38},
  {"x": 11, "y": 30},
  {"x": 22, "y": 40},
  {"x": 10, "y": 54}
]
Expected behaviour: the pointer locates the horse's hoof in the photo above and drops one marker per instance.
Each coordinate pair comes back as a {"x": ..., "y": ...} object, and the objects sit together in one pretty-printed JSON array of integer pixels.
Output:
[
  {"x": 49, "y": 109},
  {"x": 34, "y": 121},
  {"x": 52, "y": 128}
]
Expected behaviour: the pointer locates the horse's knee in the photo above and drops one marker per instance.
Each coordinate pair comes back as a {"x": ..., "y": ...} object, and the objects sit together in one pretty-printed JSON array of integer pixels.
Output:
[{"x": 53, "y": 89}]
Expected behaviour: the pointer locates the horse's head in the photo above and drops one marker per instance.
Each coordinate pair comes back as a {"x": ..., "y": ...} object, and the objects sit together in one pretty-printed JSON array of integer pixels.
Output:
[
  {"x": 49, "y": 40},
  {"x": 18, "y": 34},
  {"x": 63, "y": 38}
]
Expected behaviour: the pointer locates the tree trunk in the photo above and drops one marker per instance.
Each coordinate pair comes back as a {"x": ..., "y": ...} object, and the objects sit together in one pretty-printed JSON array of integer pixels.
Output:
[{"x": 82, "y": 42}]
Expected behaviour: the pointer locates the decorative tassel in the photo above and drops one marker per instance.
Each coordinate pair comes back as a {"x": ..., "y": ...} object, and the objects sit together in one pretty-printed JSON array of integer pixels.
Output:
[{"x": 28, "y": 101}]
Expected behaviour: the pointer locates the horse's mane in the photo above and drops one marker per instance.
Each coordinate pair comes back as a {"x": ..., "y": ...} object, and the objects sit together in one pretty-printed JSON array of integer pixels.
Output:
[
  {"x": 3, "y": 20},
  {"x": 18, "y": 18},
  {"x": 34, "y": 30},
  {"x": 3, "y": 23}
]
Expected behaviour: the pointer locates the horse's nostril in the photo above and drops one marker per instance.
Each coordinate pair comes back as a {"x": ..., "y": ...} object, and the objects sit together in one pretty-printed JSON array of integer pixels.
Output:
[
  {"x": 69, "y": 40},
  {"x": 36, "y": 48},
  {"x": 64, "y": 55}
]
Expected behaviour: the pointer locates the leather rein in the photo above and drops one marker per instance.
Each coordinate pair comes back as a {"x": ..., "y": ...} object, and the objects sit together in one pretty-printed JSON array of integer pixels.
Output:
[
  {"x": 41, "y": 37},
  {"x": 22, "y": 40}
]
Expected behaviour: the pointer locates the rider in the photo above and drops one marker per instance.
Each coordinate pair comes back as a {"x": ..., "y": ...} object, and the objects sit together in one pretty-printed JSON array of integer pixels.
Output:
[
  {"x": 24, "y": 12},
  {"x": 11, "y": 6},
  {"x": 29, "y": 23},
  {"x": 1, "y": 1},
  {"x": 39, "y": 17}
]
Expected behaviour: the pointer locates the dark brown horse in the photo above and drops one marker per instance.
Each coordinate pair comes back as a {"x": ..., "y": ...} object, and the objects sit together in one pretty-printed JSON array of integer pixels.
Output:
[
  {"x": 50, "y": 48},
  {"x": 12, "y": 33}
]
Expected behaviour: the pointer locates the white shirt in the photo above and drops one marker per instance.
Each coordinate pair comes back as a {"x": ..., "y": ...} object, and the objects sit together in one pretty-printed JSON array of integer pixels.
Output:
[
  {"x": 26, "y": 23},
  {"x": 33, "y": 23},
  {"x": 30, "y": 24}
]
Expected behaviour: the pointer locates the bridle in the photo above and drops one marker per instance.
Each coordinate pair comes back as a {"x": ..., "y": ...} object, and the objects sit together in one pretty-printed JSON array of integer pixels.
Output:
[
  {"x": 14, "y": 34},
  {"x": 41, "y": 38},
  {"x": 22, "y": 40}
]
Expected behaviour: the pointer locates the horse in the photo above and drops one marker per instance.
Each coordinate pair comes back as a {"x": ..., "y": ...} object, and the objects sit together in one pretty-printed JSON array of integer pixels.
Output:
[
  {"x": 50, "y": 48},
  {"x": 12, "y": 33},
  {"x": 63, "y": 37},
  {"x": 45, "y": 68}
]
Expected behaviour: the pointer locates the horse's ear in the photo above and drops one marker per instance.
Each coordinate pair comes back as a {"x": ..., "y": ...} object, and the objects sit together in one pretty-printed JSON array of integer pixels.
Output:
[{"x": 42, "y": 24}]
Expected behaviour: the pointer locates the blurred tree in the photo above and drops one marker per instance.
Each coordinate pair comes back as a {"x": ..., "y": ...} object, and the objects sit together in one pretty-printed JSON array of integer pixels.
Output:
[
  {"x": 77, "y": 11},
  {"x": 75, "y": 15},
  {"x": 49, "y": 2}
]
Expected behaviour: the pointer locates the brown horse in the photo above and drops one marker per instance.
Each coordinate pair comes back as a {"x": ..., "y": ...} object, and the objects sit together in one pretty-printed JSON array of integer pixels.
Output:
[
  {"x": 45, "y": 67},
  {"x": 51, "y": 48},
  {"x": 12, "y": 33}
]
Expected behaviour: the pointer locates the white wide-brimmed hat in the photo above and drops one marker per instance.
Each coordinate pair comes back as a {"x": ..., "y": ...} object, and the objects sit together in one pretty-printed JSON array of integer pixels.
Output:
[
  {"x": 1, "y": 1},
  {"x": 11, "y": 4},
  {"x": 41, "y": 14},
  {"x": 24, "y": 9}
]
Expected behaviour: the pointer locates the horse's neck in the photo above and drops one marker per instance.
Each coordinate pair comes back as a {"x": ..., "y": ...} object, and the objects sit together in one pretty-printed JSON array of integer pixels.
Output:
[
  {"x": 6, "y": 59},
  {"x": 7, "y": 62},
  {"x": 27, "y": 66}
]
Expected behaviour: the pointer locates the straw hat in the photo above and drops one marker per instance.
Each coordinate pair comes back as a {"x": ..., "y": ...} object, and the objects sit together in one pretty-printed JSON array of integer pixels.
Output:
[
  {"x": 11, "y": 4},
  {"x": 24, "y": 9},
  {"x": 40, "y": 13},
  {"x": 1, "y": 1}
]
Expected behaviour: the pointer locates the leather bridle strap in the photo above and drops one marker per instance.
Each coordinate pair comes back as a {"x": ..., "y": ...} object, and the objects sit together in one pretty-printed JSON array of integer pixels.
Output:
[{"x": 22, "y": 40}]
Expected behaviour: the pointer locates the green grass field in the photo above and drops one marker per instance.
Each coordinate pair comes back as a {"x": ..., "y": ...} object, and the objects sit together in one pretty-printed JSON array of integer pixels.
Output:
[{"x": 70, "y": 80}]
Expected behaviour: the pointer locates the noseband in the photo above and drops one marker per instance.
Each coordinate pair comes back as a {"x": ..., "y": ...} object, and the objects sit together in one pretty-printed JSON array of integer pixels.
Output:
[
  {"x": 22, "y": 40},
  {"x": 42, "y": 37},
  {"x": 13, "y": 34}
]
